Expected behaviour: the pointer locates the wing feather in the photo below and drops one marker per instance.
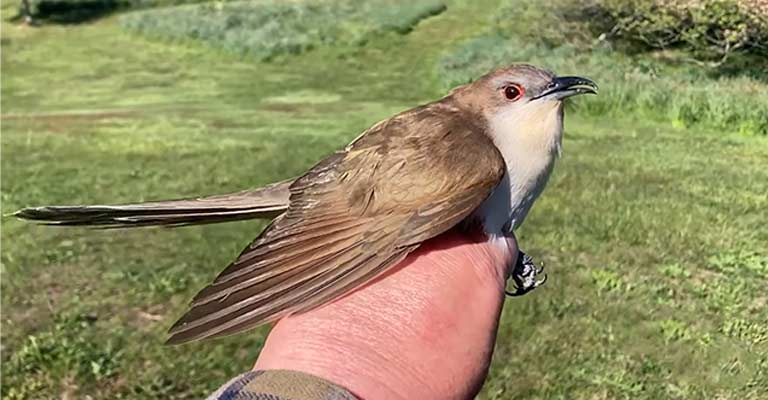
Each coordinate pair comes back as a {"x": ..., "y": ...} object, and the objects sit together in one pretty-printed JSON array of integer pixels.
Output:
[
  {"x": 277, "y": 262},
  {"x": 323, "y": 275}
]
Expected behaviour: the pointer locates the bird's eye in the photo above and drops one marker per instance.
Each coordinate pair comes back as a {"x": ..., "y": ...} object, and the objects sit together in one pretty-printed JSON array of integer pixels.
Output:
[{"x": 514, "y": 92}]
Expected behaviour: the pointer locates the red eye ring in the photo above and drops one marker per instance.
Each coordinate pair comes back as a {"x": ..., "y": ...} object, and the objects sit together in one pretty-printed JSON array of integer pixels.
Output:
[{"x": 514, "y": 92}]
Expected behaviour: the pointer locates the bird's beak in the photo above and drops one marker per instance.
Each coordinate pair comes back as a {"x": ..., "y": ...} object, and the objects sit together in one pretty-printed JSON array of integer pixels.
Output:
[{"x": 567, "y": 86}]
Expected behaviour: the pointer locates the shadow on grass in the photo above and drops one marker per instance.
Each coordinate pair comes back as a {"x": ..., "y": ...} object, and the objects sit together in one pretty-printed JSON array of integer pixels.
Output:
[
  {"x": 750, "y": 66},
  {"x": 69, "y": 11}
]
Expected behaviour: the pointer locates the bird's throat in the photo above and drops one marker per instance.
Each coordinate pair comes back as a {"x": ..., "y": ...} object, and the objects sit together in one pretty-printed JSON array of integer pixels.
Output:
[{"x": 530, "y": 143}]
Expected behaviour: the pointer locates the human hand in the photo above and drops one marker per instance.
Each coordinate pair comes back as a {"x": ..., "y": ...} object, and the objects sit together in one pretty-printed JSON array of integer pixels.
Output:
[{"x": 423, "y": 331}]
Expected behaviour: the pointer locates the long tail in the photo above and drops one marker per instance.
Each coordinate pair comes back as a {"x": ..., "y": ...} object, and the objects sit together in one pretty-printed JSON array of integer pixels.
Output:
[{"x": 267, "y": 202}]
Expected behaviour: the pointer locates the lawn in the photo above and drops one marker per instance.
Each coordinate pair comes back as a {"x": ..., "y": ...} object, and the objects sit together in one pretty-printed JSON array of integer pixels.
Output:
[{"x": 654, "y": 234}]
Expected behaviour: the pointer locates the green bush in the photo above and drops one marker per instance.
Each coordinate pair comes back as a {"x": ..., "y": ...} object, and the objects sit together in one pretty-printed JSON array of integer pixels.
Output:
[
  {"x": 629, "y": 85},
  {"x": 712, "y": 30},
  {"x": 269, "y": 28}
]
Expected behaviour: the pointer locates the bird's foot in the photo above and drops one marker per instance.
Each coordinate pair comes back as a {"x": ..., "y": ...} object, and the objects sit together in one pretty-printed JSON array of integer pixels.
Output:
[{"x": 525, "y": 274}]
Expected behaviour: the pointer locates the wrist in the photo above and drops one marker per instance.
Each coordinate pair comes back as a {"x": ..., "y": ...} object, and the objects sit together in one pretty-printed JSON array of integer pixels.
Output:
[
  {"x": 352, "y": 351},
  {"x": 425, "y": 330}
]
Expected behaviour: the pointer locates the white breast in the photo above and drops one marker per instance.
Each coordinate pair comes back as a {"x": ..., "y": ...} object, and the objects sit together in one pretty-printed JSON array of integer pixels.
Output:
[{"x": 529, "y": 139}]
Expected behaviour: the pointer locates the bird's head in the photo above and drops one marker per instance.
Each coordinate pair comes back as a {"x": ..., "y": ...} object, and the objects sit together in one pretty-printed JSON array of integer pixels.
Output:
[
  {"x": 522, "y": 87},
  {"x": 522, "y": 101}
]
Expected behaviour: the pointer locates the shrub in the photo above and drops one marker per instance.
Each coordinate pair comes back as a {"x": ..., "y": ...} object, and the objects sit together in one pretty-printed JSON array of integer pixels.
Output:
[
  {"x": 268, "y": 28},
  {"x": 712, "y": 30}
]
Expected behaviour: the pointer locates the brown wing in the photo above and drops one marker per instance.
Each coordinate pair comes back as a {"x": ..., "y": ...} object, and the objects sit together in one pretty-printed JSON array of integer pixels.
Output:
[{"x": 350, "y": 218}]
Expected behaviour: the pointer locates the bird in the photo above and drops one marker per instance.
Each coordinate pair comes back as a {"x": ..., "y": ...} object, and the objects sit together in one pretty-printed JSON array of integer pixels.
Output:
[{"x": 476, "y": 159}]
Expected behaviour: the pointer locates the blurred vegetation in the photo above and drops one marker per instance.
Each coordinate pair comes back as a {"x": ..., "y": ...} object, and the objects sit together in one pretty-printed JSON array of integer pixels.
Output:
[
  {"x": 268, "y": 28},
  {"x": 715, "y": 33},
  {"x": 653, "y": 234},
  {"x": 653, "y": 85},
  {"x": 712, "y": 30}
]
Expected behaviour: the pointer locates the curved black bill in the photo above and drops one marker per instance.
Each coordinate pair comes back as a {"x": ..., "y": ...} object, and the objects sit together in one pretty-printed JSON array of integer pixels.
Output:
[{"x": 567, "y": 86}]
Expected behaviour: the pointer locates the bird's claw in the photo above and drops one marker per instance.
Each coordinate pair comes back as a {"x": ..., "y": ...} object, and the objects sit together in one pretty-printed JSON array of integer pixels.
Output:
[{"x": 525, "y": 274}]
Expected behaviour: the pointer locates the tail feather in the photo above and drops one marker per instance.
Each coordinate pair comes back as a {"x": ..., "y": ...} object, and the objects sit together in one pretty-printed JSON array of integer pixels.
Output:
[{"x": 267, "y": 202}]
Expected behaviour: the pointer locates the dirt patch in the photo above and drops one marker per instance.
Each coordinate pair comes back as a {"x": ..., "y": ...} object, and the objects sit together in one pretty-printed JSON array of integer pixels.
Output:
[
  {"x": 69, "y": 116},
  {"x": 62, "y": 122},
  {"x": 228, "y": 124},
  {"x": 145, "y": 318},
  {"x": 281, "y": 107}
]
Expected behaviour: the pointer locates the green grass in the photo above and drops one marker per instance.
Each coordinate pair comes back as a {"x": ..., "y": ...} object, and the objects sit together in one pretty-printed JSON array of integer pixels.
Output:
[
  {"x": 637, "y": 84},
  {"x": 653, "y": 235},
  {"x": 266, "y": 29}
]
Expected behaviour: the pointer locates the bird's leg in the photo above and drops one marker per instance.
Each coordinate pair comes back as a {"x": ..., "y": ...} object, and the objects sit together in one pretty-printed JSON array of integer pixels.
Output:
[{"x": 524, "y": 274}]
